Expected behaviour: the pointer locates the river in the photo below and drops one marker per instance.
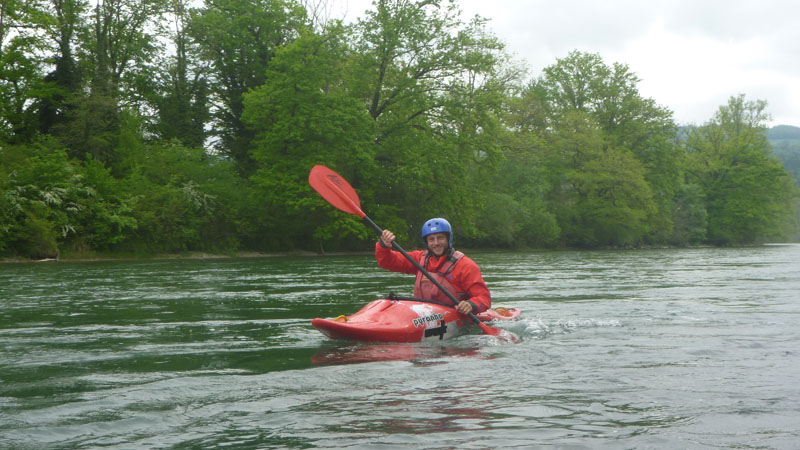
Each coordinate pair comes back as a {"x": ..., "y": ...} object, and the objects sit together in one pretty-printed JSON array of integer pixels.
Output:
[{"x": 644, "y": 349}]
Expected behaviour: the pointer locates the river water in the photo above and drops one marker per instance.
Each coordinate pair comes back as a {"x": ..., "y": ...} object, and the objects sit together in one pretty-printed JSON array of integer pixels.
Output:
[{"x": 645, "y": 349}]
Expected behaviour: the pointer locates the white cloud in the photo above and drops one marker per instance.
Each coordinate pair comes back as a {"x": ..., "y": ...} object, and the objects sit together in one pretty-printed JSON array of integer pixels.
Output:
[{"x": 692, "y": 75}]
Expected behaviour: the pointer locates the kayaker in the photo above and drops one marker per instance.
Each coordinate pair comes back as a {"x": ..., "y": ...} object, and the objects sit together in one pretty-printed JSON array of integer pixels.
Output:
[{"x": 452, "y": 269}]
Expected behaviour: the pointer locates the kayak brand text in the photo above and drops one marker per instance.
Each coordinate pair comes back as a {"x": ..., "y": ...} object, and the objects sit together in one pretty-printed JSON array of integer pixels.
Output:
[{"x": 435, "y": 317}]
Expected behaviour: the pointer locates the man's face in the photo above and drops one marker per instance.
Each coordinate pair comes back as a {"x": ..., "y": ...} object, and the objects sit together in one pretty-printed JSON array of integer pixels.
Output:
[{"x": 437, "y": 243}]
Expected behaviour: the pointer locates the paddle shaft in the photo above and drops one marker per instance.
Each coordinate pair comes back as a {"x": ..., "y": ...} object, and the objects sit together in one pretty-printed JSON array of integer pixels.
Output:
[{"x": 419, "y": 267}]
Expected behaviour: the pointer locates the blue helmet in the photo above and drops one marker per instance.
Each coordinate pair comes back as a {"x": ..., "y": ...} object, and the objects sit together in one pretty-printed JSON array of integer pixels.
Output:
[{"x": 438, "y": 225}]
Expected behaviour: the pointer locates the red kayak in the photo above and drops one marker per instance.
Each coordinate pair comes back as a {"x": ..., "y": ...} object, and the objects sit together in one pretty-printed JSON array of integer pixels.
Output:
[{"x": 404, "y": 321}]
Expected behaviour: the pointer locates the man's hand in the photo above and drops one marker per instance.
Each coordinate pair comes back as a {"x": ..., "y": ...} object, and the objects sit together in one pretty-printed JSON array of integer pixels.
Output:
[
  {"x": 464, "y": 307},
  {"x": 387, "y": 237}
]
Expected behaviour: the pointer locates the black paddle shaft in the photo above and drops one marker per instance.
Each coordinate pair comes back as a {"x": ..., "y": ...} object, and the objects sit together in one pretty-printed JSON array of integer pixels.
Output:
[{"x": 397, "y": 247}]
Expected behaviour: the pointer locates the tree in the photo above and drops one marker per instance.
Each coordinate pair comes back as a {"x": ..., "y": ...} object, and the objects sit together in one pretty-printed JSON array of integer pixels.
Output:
[
  {"x": 748, "y": 192},
  {"x": 583, "y": 85},
  {"x": 62, "y": 26},
  {"x": 434, "y": 86},
  {"x": 20, "y": 77},
  {"x": 120, "y": 48},
  {"x": 40, "y": 192},
  {"x": 182, "y": 95},
  {"x": 123, "y": 47},
  {"x": 182, "y": 199},
  {"x": 604, "y": 199},
  {"x": 305, "y": 114},
  {"x": 517, "y": 212},
  {"x": 239, "y": 38},
  {"x": 690, "y": 216}
]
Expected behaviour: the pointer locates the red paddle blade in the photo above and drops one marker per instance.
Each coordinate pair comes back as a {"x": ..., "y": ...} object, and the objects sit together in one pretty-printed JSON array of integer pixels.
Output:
[{"x": 335, "y": 189}]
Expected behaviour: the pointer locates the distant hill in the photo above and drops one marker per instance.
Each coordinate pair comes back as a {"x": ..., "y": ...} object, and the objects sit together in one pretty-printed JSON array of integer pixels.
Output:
[
  {"x": 785, "y": 140},
  {"x": 783, "y": 132}
]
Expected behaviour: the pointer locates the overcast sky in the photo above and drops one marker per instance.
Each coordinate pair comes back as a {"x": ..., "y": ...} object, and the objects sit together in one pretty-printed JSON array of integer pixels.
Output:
[{"x": 691, "y": 55}]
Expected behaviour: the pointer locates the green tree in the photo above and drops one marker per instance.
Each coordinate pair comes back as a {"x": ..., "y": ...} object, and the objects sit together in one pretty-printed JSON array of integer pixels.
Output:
[
  {"x": 41, "y": 191},
  {"x": 62, "y": 25},
  {"x": 20, "y": 76},
  {"x": 306, "y": 114},
  {"x": 434, "y": 87},
  {"x": 182, "y": 96},
  {"x": 690, "y": 216},
  {"x": 604, "y": 163},
  {"x": 171, "y": 198},
  {"x": 605, "y": 199},
  {"x": 182, "y": 201},
  {"x": 106, "y": 214},
  {"x": 239, "y": 38},
  {"x": 119, "y": 49},
  {"x": 748, "y": 192},
  {"x": 517, "y": 212},
  {"x": 123, "y": 47}
]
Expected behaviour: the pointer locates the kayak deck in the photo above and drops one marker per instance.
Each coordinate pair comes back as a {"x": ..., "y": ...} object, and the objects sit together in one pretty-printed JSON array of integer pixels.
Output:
[{"x": 392, "y": 320}]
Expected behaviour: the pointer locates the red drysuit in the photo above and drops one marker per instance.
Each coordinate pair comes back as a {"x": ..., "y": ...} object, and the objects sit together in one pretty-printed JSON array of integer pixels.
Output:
[{"x": 464, "y": 276}]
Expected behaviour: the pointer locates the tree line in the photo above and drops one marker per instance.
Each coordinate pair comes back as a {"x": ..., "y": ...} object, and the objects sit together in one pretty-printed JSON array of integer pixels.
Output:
[{"x": 150, "y": 126}]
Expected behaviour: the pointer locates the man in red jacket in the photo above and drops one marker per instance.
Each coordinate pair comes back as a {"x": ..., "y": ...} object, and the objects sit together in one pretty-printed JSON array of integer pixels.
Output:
[{"x": 452, "y": 269}]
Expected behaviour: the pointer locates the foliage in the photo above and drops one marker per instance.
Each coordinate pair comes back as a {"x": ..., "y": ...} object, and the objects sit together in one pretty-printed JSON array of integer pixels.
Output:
[
  {"x": 785, "y": 142},
  {"x": 607, "y": 200},
  {"x": 607, "y": 165},
  {"x": 42, "y": 196},
  {"x": 181, "y": 93},
  {"x": 20, "y": 76},
  {"x": 239, "y": 38},
  {"x": 306, "y": 115},
  {"x": 434, "y": 87},
  {"x": 748, "y": 192},
  {"x": 689, "y": 216}
]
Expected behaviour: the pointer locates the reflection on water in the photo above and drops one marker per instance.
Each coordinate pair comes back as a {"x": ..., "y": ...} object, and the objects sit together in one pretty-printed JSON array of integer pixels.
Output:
[
  {"x": 620, "y": 349},
  {"x": 363, "y": 352}
]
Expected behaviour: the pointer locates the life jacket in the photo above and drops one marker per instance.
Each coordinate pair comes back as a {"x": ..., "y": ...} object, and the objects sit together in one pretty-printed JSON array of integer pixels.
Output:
[{"x": 424, "y": 288}]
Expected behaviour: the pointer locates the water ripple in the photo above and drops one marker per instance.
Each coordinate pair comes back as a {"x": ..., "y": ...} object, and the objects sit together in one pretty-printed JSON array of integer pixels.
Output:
[{"x": 620, "y": 349}]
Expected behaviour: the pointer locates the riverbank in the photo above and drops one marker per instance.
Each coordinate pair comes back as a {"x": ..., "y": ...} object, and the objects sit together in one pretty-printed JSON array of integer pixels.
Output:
[
  {"x": 88, "y": 257},
  {"x": 95, "y": 256}
]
